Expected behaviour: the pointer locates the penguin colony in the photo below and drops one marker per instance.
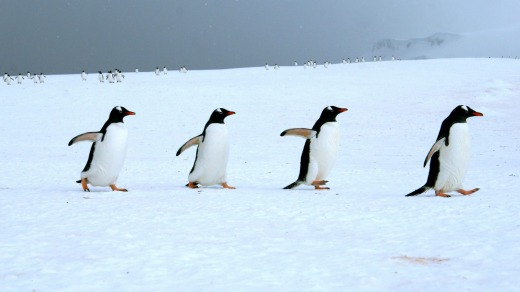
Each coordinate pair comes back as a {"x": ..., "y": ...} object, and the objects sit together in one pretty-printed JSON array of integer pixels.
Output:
[
  {"x": 117, "y": 76},
  {"x": 448, "y": 157}
]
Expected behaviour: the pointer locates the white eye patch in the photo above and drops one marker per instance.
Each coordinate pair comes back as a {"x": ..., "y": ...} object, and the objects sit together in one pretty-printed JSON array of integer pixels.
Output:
[
  {"x": 119, "y": 108},
  {"x": 219, "y": 110},
  {"x": 465, "y": 108},
  {"x": 329, "y": 108}
]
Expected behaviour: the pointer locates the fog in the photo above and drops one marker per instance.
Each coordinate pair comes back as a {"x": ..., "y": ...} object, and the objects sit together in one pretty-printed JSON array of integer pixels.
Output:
[{"x": 70, "y": 36}]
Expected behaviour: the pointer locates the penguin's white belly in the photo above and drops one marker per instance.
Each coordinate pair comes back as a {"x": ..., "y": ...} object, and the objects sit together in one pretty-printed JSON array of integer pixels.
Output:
[
  {"x": 109, "y": 157},
  {"x": 323, "y": 152},
  {"x": 454, "y": 159},
  {"x": 212, "y": 157}
]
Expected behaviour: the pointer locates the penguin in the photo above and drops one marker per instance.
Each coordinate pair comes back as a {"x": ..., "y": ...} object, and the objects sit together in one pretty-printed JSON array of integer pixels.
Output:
[
  {"x": 29, "y": 75},
  {"x": 119, "y": 76},
  {"x": 83, "y": 75},
  {"x": 8, "y": 79},
  {"x": 107, "y": 153},
  {"x": 449, "y": 155},
  {"x": 19, "y": 78},
  {"x": 136, "y": 70},
  {"x": 35, "y": 78},
  {"x": 5, "y": 77},
  {"x": 110, "y": 77},
  {"x": 266, "y": 66},
  {"x": 100, "y": 77},
  {"x": 211, "y": 159},
  {"x": 41, "y": 77},
  {"x": 165, "y": 71},
  {"x": 295, "y": 63},
  {"x": 321, "y": 147},
  {"x": 157, "y": 71}
]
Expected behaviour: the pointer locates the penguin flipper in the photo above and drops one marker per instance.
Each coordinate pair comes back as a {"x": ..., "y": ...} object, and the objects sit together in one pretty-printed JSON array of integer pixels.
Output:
[
  {"x": 191, "y": 142},
  {"x": 302, "y": 132},
  {"x": 88, "y": 136},
  {"x": 434, "y": 149}
]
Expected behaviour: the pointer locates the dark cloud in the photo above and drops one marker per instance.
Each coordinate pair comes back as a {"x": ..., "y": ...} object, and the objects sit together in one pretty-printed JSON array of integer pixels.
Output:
[{"x": 67, "y": 37}]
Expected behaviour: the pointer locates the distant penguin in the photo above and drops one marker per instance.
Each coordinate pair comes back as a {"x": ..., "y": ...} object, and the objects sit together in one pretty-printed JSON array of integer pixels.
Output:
[
  {"x": 110, "y": 77},
  {"x": 165, "y": 71},
  {"x": 362, "y": 59},
  {"x": 119, "y": 76},
  {"x": 295, "y": 63},
  {"x": 41, "y": 77},
  {"x": 35, "y": 78},
  {"x": 266, "y": 66},
  {"x": 83, "y": 75},
  {"x": 276, "y": 67},
  {"x": 393, "y": 58},
  {"x": 321, "y": 146},
  {"x": 375, "y": 59},
  {"x": 449, "y": 156},
  {"x": 19, "y": 78},
  {"x": 157, "y": 72},
  {"x": 348, "y": 60},
  {"x": 100, "y": 77},
  {"x": 211, "y": 159},
  {"x": 380, "y": 59},
  {"x": 107, "y": 153},
  {"x": 136, "y": 70},
  {"x": 8, "y": 79},
  {"x": 29, "y": 75},
  {"x": 357, "y": 60}
]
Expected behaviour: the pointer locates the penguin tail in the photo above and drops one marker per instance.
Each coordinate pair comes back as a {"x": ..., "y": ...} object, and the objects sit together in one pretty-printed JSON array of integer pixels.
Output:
[
  {"x": 419, "y": 191},
  {"x": 78, "y": 181},
  {"x": 293, "y": 185}
]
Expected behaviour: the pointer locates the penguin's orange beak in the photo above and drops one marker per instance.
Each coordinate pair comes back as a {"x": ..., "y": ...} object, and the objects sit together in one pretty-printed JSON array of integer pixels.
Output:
[
  {"x": 342, "y": 110},
  {"x": 231, "y": 113},
  {"x": 130, "y": 113},
  {"x": 477, "y": 114}
]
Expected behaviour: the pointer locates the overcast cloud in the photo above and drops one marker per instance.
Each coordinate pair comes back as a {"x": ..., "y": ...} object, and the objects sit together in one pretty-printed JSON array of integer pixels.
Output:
[{"x": 70, "y": 36}]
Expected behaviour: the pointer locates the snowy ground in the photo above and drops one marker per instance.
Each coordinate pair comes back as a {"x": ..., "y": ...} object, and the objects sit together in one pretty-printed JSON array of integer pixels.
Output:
[{"x": 362, "y": 235}]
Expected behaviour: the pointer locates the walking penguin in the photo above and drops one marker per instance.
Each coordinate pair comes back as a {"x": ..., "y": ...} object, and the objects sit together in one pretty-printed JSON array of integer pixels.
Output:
[
  {"x": 211, "y": 159},
  {"x": 107, "y": 153},
  {"x": 449, "y": 155},
  {"x": 320, "y": 149}
]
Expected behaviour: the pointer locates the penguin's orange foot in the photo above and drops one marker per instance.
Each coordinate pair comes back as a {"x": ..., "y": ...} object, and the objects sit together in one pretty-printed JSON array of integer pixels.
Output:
[
  {"x": 114, "y": 188},
  {"x": 321, "y": 188},
  {"x": 319, "y": 182},
  {"x": 84, "y": 185},
  {"x": 441, "y": 194},
  {"x": 226, "y": 186},
  {"x": 192, "y": 185},
  {"x": 467, "y": 193}
]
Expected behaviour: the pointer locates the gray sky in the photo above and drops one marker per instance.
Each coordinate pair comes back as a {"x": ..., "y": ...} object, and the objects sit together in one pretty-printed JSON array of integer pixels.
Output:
[{"x": 69, "y": 36}]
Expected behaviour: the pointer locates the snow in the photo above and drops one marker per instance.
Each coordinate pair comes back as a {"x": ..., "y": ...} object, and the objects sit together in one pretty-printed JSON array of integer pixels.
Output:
[{"x": 362, "y": 235}]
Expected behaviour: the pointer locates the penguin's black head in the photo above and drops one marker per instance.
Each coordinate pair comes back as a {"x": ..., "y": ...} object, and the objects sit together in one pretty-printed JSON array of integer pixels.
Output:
[
  {"x": 219, "y": 115},
  {"x": 118, "y": 113},
  {"x": 464, "y": 112},
  {"x": 99, "y": 72},
  {"x": 329, "y": 113}
]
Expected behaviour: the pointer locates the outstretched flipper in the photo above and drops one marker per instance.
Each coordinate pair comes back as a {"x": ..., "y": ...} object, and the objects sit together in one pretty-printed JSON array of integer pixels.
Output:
[
  {"x": 302, "y": 132},
  {"x": 191, "y": 142},
  {"x": 88, "y": 136},
  {"x": 434, "y": 149}
]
